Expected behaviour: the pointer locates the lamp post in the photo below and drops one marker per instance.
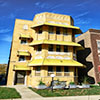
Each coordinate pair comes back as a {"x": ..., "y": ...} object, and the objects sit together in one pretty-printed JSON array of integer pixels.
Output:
[{"x": 52, "y": 75}]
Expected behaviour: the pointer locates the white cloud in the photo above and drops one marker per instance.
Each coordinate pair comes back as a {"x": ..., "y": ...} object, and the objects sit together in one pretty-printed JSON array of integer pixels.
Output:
[
  {"x": 42, "y": 5},
  {"x": 7, "y": 38},
  {"x": 82, "y": 14},
  {"x": 80, "y": 21},
  {"x": 3, "y": 4},
  {"x": 5, "y": 30},
  {"x": 12, "y": 16}
]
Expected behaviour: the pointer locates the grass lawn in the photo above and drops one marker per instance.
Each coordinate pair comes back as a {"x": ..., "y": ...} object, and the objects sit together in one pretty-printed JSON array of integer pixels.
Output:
[
  {"x": 8, "y": 93},
  {"x": 71, "y": 92}
]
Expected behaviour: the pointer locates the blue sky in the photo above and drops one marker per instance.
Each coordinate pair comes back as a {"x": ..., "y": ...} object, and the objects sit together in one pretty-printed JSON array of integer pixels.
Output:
[{"x": 86, "y": 14}]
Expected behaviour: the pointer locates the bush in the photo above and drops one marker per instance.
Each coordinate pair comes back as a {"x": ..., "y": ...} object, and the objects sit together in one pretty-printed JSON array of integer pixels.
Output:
[
  {"x": 41, "y": 83},
  {"x": 99, "y": 83},
  {"x": 71, "y": 83}
]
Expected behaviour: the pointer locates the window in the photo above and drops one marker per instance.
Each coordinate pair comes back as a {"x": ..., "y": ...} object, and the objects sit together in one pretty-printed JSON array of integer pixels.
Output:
[
  {"x": 75, "y": 72},
  {"x": 65, "y": 49},
  {"x": 99, "y": 57},
  {"x": 39, "y": 48},
  {"x": 58, "y": 30},
  {"x": 66, "y": 69},
  {"x": 22, "y": 58},
  {"x": 65, "y": 31},
  {"x": 38, "y": 68},
  {"x": 50, "y": 47},
  {"x": 58, "y": 69},
  {"x": 98, "y": 46},
  {"x": 50, "y": 68},
  {"x": 40, "y": 30},
  {"x": 51, "y": 30},
  {"x": 24, "y": 41},
  {"x": 58, "y": 48},
  {"x": 74, "y": 50}
]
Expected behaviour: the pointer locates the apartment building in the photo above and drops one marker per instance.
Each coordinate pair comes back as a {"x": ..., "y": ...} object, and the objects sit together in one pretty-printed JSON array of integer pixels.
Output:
[
  {"x": 90, "y": 56},
  {"x": 43, "y": 47}
]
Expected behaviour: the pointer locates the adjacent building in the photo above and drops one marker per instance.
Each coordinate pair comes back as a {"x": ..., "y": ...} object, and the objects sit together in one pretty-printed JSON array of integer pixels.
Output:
[
  {"x": 43, "y": 47},
  {"x": 90, "y": 56}
]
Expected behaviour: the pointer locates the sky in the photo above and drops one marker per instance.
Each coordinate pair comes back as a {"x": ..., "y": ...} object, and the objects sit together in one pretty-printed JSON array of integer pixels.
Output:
[{"x": 86, "y": 15}]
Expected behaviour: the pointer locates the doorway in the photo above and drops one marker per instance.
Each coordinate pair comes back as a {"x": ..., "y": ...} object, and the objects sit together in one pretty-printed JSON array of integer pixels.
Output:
[{"x": 20, "y": 77}]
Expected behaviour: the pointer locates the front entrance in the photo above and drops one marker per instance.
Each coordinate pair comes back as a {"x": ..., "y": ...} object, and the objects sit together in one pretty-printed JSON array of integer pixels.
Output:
[{"x": 20, "y": 77}]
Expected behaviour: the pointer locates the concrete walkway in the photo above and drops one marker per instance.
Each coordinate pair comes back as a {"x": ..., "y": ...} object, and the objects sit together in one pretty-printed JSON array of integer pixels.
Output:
[{"x": 26, "y": 93}]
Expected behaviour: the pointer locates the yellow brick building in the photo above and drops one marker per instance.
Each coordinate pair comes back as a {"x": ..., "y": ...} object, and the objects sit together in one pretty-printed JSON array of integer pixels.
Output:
[{"x": 43, "y": 47}]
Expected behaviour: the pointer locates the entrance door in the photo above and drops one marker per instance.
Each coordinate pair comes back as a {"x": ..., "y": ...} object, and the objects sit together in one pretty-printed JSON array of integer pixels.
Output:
[{"x": 20, "y": 77}]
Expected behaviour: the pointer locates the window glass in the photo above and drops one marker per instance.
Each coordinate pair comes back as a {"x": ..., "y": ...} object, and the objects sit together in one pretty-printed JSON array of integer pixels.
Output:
[
  {"x": 24, "y": 41},
  {"x": 50, "y": 47},
  {"x": 74, "y": 50},
  {"x": 38, "y": 68},
  {"x": 40, "y": 30},
  {"x": 65, "y": 49},
  {"x": 22, "y": 58},
  {"x": 51, "y": 30},
  {"x": 66, "y": 69},
  {"x": 58, "y": 48},
  {"x": 50, "y": 68},
  {"x": 58, "y": 69},
  {"x": 58, "y": 30},
  {"x": 39, "y": 48},
  {"x": 65, "y": 31}
]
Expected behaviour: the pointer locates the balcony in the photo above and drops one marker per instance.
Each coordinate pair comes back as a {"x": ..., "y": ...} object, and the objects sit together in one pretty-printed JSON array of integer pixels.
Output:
[
  {"x": 54, "y": 55},
  {"x": 59, "y": 55}
]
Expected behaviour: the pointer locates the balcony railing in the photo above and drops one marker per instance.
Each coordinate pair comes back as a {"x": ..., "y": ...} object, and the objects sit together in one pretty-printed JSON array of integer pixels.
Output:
[
  {"x": 37, "y": 73},
  {"x": 49, "y": 73},
  {"x": 55, "y": 55},
  {"x": 58, "y": 73},
  {"x": 66, "y": 73}
]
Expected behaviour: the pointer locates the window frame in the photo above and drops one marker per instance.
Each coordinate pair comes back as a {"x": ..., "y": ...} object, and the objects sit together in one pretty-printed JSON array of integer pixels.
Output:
[
  {"x": 51, "y": 68},
  {"x": 40, "y": 30},
  {"x": 58, "y": 70},
  {"x": 25, "y": 41},
  {"x": 65, "y": 49},
  {"x": 65, "y": 33},
  {"x": 50, "y": 49},
  {"x": 51, "y": 31},
  {"x": 58, "y": 31},
  {"x": 58, "y": 50},
  {"x": 39, "y": 49},
  {"x": 22, "y": 58}
]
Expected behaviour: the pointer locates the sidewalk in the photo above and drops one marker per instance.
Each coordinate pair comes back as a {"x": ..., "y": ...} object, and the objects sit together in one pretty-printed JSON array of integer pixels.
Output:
[{"x": 26, "y": 93}]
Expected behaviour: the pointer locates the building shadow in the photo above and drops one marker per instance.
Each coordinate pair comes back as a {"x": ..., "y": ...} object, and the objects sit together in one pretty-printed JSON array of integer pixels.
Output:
[{"x": 81, "y": 57}]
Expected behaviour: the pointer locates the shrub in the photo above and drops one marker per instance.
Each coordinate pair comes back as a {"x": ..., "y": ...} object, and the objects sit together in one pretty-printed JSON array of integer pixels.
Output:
[
  {"x": 41, "y": 83},
  {"x": 99, "y": 83},
  {"x": 71, "y": 83}
]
